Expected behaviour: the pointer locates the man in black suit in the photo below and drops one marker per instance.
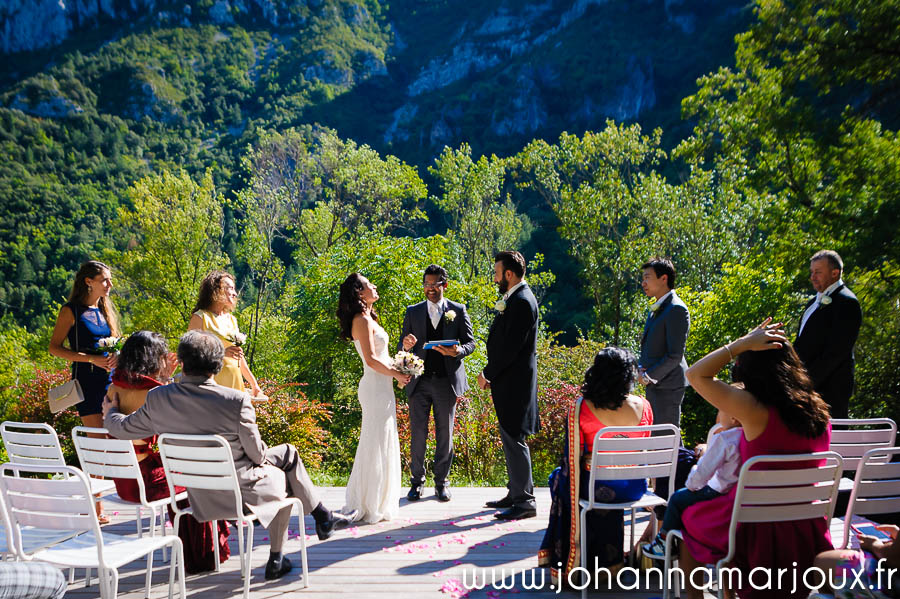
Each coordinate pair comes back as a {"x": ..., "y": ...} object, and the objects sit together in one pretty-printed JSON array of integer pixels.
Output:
[
  {"x": 663, "y": 367},
  {"x": 442, "y": 383},
  {"x": 511, "y": 375},
  {"x": 828, "y": 332}
]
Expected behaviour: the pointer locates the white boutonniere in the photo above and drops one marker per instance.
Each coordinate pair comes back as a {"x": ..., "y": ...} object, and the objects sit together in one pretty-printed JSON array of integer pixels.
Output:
[
  {"x": 450, "y": 315},
  {"x": 654, "y": 307},
  {"x": 500, "y": 306},
  {"x": 826, "y": 299}
]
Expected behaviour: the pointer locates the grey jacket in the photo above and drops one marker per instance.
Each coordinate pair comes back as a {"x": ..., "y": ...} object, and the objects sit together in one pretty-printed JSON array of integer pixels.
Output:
[
  {"x": 662, "y": 345},
  {"x": 200, "y": 406},
  {"x": 415, "y": 322}
]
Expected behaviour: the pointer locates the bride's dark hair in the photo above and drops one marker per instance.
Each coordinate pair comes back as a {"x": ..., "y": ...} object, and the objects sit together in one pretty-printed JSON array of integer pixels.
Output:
[{"x": 350, "y": 303}]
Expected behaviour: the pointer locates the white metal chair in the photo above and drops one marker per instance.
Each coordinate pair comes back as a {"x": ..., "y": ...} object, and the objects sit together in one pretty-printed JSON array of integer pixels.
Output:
[
  {"x": 876, "y": 488},
  {"x": 65, "y": 503},
  {"x": 116, "y": 458},
  {"x": 617, "y": 457},
  {"x": 37, "y": 444},
  {"x": 852, "y": 437},
  {"x": 204, "y": 462},
  {"x": 32, "y": 539},
  {"x": 804, "y": 492}
]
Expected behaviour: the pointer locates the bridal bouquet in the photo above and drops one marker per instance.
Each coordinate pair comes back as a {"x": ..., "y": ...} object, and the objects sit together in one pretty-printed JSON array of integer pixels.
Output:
[
  {"x": 112, "y": 345},
  {"x": 238, "y": 339},
  {"x": 408, "y": 363}
]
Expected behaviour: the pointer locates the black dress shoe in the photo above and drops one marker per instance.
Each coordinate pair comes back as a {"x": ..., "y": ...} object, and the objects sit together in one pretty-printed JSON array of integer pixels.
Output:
[
  {"x": 415, "y": 493},
  {"x": 500, "y": 503},
  {"x": 516, "y": 513},
  {"x": 442, "y": 493},
  {"x": 275, "y": 569},
  {"x": 338, "y": 521}
]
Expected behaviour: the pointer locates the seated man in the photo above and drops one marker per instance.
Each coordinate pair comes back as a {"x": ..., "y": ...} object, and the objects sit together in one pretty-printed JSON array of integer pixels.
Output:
[{"x": 199, "y": 406}]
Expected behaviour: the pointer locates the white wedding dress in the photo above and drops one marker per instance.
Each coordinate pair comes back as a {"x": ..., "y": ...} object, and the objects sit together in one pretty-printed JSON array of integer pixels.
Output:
[{"x": 374, "y": 486}]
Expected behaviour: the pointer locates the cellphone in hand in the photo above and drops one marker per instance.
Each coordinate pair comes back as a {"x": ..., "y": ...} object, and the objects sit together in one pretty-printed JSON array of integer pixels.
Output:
[{"x": 870, "y": 531}]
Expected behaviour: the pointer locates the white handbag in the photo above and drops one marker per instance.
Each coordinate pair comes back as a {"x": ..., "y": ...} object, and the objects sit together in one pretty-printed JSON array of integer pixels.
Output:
[
  {"x": 69, "y": 393},
  {"x": 65, "y": 396}
]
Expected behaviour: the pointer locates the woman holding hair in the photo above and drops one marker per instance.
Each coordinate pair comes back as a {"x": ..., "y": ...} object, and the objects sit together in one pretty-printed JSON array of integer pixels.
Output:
[
  {"x": 86, "y": 319},
  {"x": 781, "y": 414},
  {"x": 607, "y": 400},
  {"x": 212, "y": 313},
  {"x": 145, "y": 362},
  {"x": 374, "y": 485}
]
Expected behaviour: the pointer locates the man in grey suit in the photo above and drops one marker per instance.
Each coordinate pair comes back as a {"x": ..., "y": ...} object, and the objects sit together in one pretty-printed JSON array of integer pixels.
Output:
[
  {"x": 442, "y": 383},
  {"x": 663, "y": 366},
  {"x": 199, "y": 406}
]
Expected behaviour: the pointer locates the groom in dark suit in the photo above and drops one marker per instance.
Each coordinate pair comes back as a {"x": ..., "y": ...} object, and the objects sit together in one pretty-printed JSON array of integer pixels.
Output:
[
  {"x": 828, "y": 331},
  {"x": 663, "y": 366},
  {"x": 511, "y": 375},
  {"x": 442, "y": 383}
]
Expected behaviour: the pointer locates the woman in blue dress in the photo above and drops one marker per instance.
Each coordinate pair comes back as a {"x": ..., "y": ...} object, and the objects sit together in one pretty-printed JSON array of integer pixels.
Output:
[{"x": 86, "y": 319}]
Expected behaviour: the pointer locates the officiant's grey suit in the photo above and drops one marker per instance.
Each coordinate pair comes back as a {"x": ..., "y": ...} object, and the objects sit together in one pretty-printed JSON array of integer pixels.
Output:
[
  {"x": 662, "y": 356},
  {"x": 437, "y": 389}
]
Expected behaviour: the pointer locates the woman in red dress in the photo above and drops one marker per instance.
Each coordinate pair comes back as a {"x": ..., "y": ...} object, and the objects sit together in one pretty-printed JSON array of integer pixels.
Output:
[{"x": 144, "y": 361}]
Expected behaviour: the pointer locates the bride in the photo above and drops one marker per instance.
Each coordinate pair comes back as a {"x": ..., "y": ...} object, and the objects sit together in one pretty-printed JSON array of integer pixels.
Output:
[{"x": 374, "y": 486}]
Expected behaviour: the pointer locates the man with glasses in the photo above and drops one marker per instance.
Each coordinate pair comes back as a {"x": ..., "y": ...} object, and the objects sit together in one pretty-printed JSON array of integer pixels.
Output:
[{"x": 442, "y": 383}]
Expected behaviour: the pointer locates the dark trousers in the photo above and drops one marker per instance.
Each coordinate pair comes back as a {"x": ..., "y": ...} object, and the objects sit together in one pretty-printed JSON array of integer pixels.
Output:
[
  {"x": 666, "y": 404},
  {"x": 681, "y": 500},
  {"x": 518, "y": 469},
  {"x": 431, "y": 394}
]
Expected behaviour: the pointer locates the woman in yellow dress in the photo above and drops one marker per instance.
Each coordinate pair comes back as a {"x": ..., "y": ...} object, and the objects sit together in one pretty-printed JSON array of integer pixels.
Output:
[{"x": 215, "y": 302}]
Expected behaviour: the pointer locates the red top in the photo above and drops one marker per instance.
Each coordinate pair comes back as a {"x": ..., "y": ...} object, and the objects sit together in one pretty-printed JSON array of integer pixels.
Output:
[{"x": 590, "y": 425}]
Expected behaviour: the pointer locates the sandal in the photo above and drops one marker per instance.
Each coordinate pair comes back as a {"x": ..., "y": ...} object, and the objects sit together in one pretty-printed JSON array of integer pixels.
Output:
[{"x": 103, "y": 519}]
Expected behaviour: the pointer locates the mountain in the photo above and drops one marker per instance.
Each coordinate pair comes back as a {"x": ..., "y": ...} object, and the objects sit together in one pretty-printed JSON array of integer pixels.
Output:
[{"x": 95, "y": 93}]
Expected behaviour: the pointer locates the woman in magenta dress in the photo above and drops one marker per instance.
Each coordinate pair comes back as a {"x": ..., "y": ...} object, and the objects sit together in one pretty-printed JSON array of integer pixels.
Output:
[{"x": 780, "y": 414}]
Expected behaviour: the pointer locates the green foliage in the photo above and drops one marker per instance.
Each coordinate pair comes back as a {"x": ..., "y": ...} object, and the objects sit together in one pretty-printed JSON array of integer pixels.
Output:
[
  {"x": 745, "y": 296},
  {"x": 177, "y": 225},
  {"x": 291, "y": 417},
  {"x": 480, "y": 225}
]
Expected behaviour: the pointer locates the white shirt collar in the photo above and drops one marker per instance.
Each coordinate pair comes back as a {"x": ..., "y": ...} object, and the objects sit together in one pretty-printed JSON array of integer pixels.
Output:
[
  {"x": 829, "y": 290},
  {"x": 512, "y": 289},
  {"x": 440, "y": 305},
  {"x": 660, "y": 301}
]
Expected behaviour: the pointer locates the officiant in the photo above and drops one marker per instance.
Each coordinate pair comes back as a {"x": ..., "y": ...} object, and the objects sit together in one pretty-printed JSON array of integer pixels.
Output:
[{"x": 445, "y": 329}]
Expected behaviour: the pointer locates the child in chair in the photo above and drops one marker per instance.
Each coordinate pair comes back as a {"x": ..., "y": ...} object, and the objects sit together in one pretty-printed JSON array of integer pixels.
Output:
[{"x": 713, "y": 475}]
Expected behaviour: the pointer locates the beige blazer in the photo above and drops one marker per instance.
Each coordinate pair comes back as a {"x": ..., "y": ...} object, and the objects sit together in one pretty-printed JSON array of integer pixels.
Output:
[{"x": 199, "y": 406}]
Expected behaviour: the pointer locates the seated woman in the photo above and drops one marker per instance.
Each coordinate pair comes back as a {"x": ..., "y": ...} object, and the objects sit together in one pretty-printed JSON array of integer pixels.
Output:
[
  {"x": 606, "y": 401},
  {"x": 781, "y": 414},
  {"x": 870, "y": 572},
  {"x": 144, "y": 361}
]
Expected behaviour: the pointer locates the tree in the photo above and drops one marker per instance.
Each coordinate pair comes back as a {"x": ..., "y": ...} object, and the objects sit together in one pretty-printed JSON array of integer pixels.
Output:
[
  {"x": 480, "y": 224},
  {"x": 611, "y": 205},
  {"x": 177, "y": 228}
]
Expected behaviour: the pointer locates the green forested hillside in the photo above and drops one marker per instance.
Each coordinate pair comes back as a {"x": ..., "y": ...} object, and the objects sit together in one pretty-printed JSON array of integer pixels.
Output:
[{"x": 189, "y": 87}]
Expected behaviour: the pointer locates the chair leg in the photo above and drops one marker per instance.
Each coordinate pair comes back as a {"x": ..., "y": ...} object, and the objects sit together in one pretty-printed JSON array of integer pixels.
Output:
[
  {"x": 103, "y": 583},
  {"x": 216, "y": 545},
  {"x": 177, "y": 561},
  {"x": 583, "y": 559},
  {"x": 87, "y": 577},
  {"x": 149, "y": 575},
  {"x": 301, "y": 528},
  {"x": 240, "y": 528},
  {"x": 113, "y": 583},
  {"x": 71, "y": 575},
  {"x": 247, "y": 560}
]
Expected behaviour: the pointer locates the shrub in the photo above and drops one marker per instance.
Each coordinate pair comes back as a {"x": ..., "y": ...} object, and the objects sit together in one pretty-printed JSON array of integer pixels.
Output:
[
  {"x": 32, "y": 406},
  {"x": 291, "y": 417}
]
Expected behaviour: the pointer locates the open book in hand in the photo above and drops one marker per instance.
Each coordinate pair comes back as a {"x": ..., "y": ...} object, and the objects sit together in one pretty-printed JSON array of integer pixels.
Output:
[{"x": 445, "y": 342}]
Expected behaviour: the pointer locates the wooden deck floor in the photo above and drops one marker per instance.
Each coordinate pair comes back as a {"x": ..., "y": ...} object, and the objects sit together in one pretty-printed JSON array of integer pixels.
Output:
[{"x": 426, "y": 552}]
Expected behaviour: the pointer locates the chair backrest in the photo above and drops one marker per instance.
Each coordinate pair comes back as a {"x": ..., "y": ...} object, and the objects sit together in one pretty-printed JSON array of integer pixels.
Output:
[
  {"x": 876, "y": 488},
  {"x": 200, "y": 462},
  {"x": 102, "y": 456},
  {"x": 799, "y": 490},
  {"x": 865, "y": 434},
  {"x": 619, "y": 457},
  {"x": 31, "y": 443},
  {"x": 6, "y": 534},
  {"x": 59, "y": 498}
]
